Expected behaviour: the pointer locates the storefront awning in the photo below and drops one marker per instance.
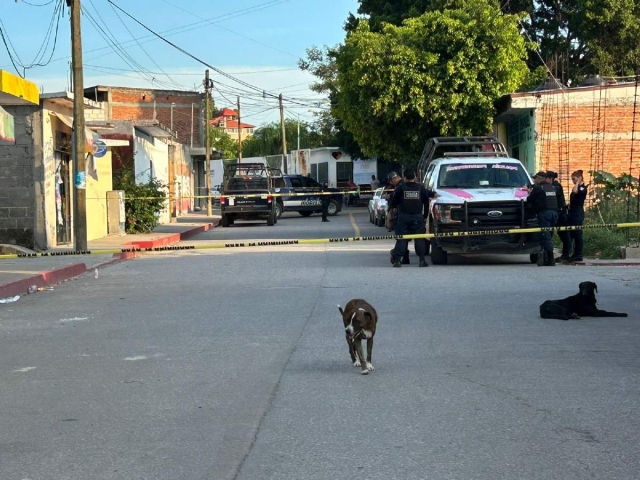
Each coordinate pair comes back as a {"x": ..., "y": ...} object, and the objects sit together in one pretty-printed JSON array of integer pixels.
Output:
[
  {"x": 7, "y": 129},
  {"x": 89, "y": 135}
]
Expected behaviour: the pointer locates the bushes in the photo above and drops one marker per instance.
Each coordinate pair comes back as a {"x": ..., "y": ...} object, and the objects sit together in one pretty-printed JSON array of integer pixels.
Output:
[
  {"x": 614, "y": 201},
  {"x": 143, "y": 204}
]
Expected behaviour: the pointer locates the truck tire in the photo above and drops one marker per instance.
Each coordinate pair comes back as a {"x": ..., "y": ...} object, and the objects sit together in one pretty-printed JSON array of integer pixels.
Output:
[
  {"x": 279, "y": 209},
  {"x": 271, "y": 220},
  {"x": 332, "y": 208},
  {"x": 225, "y": 220},
  {"x": 305, "y": 214},
  {"x": 438, "y": 256}
]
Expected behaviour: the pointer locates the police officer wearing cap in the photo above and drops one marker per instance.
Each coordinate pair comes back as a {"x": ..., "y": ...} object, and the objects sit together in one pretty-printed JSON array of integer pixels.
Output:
[
  {"x": 410, "y": 198},
  {"x": 544, "y": 202},
  {"x": 563, "y": 217}
]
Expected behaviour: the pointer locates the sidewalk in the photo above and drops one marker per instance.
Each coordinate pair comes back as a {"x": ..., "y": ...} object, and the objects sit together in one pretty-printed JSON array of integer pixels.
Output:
[{"x": 17, "y": 275}]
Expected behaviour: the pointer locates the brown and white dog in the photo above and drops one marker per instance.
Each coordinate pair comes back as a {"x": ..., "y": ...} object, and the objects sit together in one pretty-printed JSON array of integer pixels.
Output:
[{"x": 360, "y": 320}]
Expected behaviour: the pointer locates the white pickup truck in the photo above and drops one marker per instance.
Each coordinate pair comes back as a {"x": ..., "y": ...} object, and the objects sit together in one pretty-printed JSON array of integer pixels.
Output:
[{"x": 478, "y": 189}]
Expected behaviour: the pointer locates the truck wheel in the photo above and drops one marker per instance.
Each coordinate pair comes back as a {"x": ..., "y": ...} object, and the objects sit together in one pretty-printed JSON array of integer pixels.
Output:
[
  {"x": 305, "y": 214},
  {"x": 438, "y": 256},
  {"x": 533, "y": 257},
  {"x": 332, "y": 208},
  {"x": 225, "y": 220},
  {"x": 271, "y": 220},
  {"x": 279, "y": 209}
]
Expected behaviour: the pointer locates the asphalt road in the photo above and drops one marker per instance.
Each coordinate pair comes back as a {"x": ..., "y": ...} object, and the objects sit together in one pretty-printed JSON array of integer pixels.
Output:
[{"x": 232, "y": 364}]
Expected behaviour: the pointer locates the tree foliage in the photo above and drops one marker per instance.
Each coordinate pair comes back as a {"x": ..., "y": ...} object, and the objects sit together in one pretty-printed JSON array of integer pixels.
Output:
[
  {"x": 222, "y": 141},
  {"x": 437, "y": 74},
  {"x": 580, "y": 37},
  {"x": 267, "y": 139}
]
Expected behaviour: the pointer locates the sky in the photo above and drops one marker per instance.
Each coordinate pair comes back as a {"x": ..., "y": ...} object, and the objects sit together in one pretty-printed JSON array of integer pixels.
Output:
[{"x": 256, "y": 41}]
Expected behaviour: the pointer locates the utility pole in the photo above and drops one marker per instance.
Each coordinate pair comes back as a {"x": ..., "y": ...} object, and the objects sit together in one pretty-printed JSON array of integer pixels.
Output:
[
  {"x": 78, "y": 157},
  {"x": 284, "y": 138},
  {"x": 239, "y": 134},
  {"x": 192, "y": 125},
  {"x": 207, "y": 165}
]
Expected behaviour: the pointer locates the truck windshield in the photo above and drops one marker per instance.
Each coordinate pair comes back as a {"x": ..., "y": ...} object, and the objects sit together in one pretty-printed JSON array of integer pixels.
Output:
[{"x": 485, "y": 175}]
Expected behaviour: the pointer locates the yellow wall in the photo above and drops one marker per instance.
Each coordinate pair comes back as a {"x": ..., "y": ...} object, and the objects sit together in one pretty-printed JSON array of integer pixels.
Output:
[
  {"x": 19, "y": 88},
  {"x": 97, "y": 198}
]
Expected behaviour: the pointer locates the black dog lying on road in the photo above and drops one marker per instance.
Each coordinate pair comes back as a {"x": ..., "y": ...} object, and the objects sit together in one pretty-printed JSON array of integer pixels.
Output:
[{"x": 582, "y": 304}]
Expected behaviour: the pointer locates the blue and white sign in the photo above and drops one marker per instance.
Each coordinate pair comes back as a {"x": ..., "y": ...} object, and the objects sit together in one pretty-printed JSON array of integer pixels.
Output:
[
  {"x": 81, "y": 180},
  {"x": 99, "y": 148}
]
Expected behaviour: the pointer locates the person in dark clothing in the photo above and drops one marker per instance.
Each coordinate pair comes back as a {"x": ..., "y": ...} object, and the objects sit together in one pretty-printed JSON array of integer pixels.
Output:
[
  {"x": 410, "y": 198},
  {"x": 562, "y": 215},
  {"x": 325, "y": 202},
  {"x": 392, "y": 213},
  {"x": 543, "y": 200},
  {"x": 576, "y": 214}
]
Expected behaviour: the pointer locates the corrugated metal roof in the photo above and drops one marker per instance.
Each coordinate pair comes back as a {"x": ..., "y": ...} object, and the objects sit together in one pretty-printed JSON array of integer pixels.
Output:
[{"x": 156, "y": 132}]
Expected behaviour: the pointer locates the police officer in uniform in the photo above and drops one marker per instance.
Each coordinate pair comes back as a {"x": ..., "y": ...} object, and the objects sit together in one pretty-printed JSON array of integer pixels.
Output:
[
  {"x": 392, "y": 213},
  {"x": 410, "y": 198},
  {"x": 325, "y": 202},
  {"x": 563, "y": 217},
  {"x": 544, "y": 202}
]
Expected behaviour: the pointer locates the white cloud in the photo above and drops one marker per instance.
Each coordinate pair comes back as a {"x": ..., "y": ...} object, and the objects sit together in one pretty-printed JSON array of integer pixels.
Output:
[{"x": 292, "y": 83}]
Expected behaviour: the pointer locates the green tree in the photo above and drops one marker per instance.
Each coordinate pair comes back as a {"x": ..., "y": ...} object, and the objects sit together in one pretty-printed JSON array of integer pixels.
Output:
[
  {"x": 322, "y": 64},
  {"x": 222, "y": 141},
  {"x": 437, "y": 74},
  {"x": 267, "y": 140},
  {"x": 386, "y": 11}
]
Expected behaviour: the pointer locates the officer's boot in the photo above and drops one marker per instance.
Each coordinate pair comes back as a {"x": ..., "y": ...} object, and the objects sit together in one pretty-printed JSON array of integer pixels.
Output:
[
  {"x": 550, "y": 261},
  {"x": 542, "y": 258},
  {"x": 405, "y": 259},
  {"x": 423, "y": 262},
  {"x": 397, "y": 262}
]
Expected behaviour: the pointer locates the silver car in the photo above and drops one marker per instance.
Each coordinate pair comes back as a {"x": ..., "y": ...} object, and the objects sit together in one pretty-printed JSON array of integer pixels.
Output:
[{"x": 378, "y": 207}]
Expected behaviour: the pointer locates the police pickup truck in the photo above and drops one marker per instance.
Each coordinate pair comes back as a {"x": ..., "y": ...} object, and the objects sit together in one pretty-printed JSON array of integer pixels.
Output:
[
  {"x": 479, "y": 188},
  {"x": 247, "y": 193},
  {"x": 307, "y": 198}
]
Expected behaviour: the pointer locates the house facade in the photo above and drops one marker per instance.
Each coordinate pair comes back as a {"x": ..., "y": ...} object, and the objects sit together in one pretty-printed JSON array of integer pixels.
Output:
[
  {"x": 182, "y": 112},
  {"x": 36, "y": 171},
  {"x": 152, "y": 152},
  {"x": 228, "y": 121},
  {"x": 589, "y": 127}
]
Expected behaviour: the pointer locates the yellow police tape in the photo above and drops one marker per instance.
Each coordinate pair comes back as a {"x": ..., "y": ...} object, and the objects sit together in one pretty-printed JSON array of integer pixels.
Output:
[
  {"x": 315, "y": 241},
  {"x": 261, "y": 195}
]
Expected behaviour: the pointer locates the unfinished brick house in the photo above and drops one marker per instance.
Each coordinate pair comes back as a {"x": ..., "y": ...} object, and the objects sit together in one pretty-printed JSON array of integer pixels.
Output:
[
  {"x": 593, "y": 126},
  {"x": 181, "y": 111}
]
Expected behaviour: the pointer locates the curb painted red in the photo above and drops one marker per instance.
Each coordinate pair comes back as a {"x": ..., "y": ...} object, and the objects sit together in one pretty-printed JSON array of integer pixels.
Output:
[
  {"x": 44, "y": 279},
  {"x": 58, "y": 275}
]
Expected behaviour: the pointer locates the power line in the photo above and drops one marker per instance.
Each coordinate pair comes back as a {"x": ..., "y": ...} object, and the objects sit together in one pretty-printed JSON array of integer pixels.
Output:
[
  {"x": 196, "y": 25},
  {"x": 141, "y": 47},
  {"x": 231, "y": 77},
  {"x": 37, "y": 5},
  {"x": 232, "y": 31},
  {"x": 195, "y": 74}
]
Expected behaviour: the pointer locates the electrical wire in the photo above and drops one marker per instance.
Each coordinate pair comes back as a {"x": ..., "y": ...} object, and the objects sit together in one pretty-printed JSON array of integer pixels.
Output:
[
  {"x": 232, "y": 31},
  {"x": 231, "y": 77}
]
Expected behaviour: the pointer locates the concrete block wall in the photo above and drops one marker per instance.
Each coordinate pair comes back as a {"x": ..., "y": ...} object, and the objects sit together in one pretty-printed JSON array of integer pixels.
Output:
[{"x": 21, "y": 185}]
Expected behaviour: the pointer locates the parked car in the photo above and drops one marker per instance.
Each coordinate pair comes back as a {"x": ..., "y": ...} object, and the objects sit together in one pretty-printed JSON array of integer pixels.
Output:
[
  {"x": 247, "y": 193},
  {"x": 479, "y": 190},
  {"x": 304, "y": 204},
  {"x": 216, "y": 192},
  {"x": 378, "y": 207}
]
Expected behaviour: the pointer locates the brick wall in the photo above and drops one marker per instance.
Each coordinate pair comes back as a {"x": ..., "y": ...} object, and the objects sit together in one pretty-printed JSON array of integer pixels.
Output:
[
  {"x": 138, "y": 104},
  {"x": 593, "y": 134},
  {"x": 20, "y": 171}
]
